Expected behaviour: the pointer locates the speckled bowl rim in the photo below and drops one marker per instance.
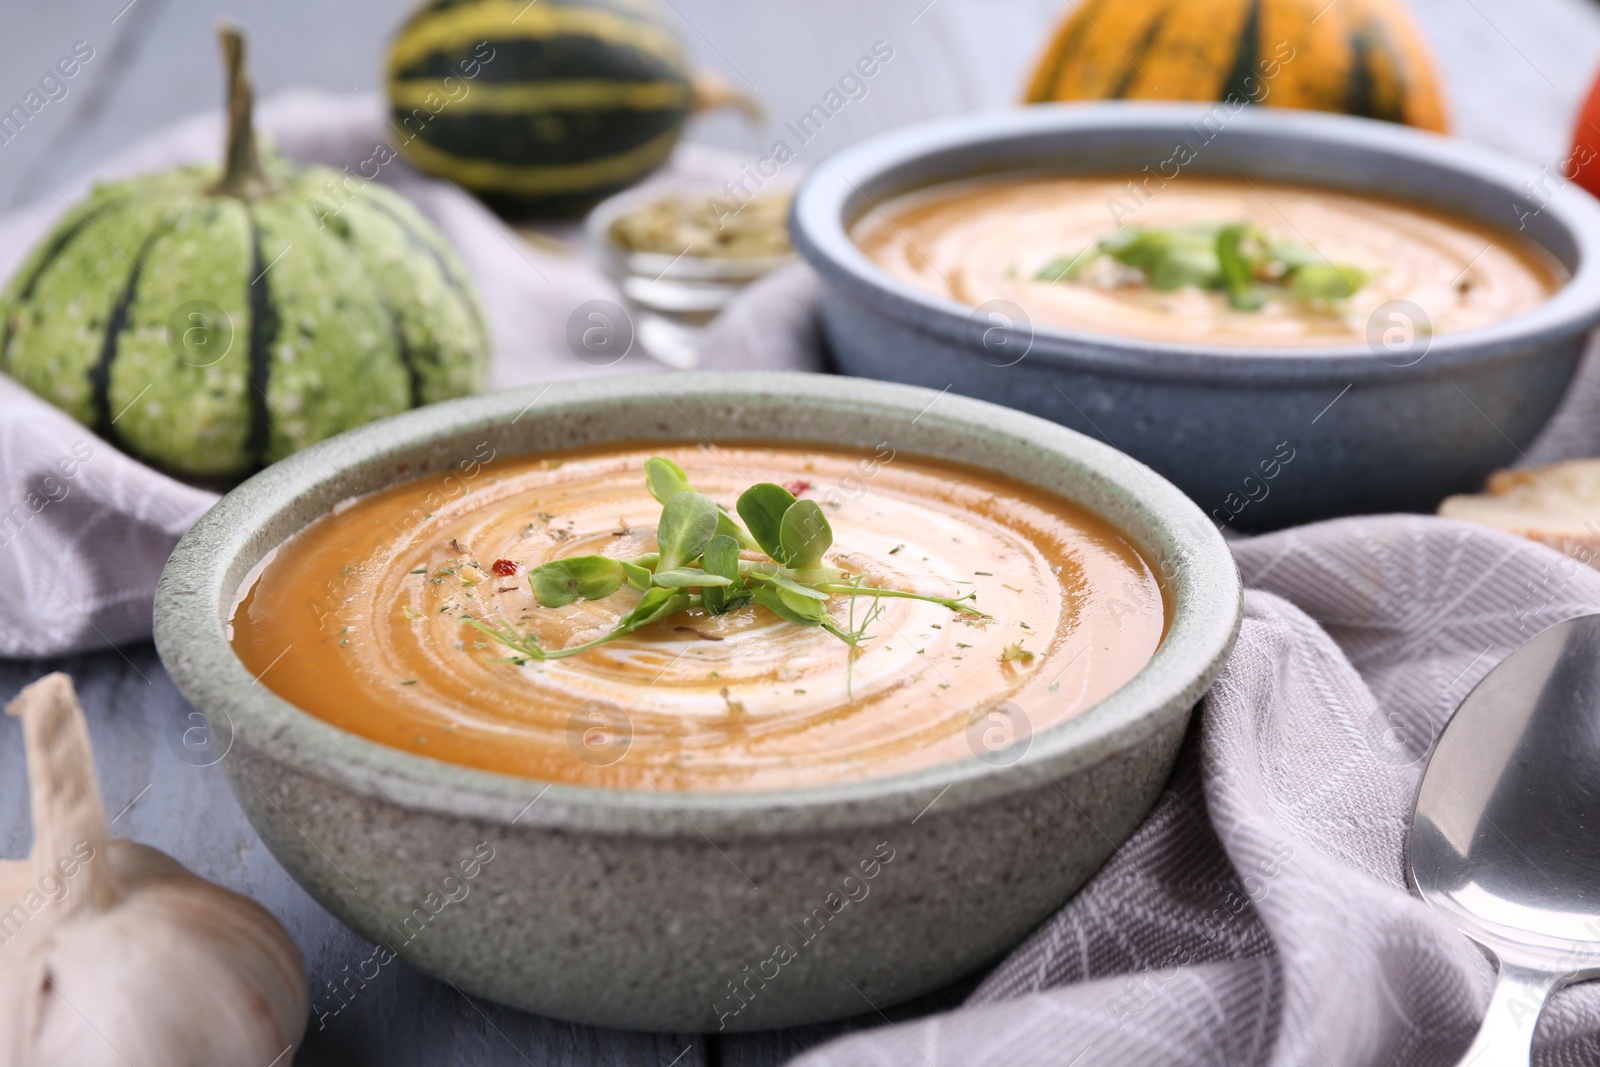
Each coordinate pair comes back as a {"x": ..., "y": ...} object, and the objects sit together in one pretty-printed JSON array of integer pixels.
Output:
[
  {"x": 832, "y": 195},
  {"x": 196, "y": 592}
]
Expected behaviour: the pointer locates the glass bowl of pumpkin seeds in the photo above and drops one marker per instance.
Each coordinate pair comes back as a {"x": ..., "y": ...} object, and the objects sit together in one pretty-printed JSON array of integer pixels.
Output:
[{"x": 686, "y": 249}]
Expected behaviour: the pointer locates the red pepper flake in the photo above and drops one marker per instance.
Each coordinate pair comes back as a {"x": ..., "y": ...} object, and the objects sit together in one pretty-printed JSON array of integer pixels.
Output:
[
  {"x": 505, "y": 568},
  {"x": 797, "y": 486}
]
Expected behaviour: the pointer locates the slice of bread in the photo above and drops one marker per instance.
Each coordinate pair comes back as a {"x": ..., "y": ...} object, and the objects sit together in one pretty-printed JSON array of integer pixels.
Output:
[{"x": 1558, "y": 505}]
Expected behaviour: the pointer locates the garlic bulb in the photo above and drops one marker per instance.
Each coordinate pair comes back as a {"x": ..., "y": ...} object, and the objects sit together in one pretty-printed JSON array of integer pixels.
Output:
[{"x": 114, "y": 954}]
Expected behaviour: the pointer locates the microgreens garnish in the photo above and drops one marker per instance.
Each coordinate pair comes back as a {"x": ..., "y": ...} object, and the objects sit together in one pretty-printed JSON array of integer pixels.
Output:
[
  {"x": 1236, "y": 258},
  {"x": 701, "y": 562}
]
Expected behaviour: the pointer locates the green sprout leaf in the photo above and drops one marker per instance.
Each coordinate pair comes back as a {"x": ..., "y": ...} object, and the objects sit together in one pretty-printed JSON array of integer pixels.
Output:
[
  {"x": 636, "y": 576},
  {"x": 562, "y": 581},
  {"x": 688, "y": 577},
  {"x": 762, "y": 507},
  {"x": 804, "y": 534},
  {"x": 726, "y": 527},
  {"x": 1238, "y": 272},
  {"x": 1066, "y": 268},
  {"x": 688, "y": 522},
  {"x": 1294, "y": 255},
  {"x": 665, "y": 479},
  {"x": 789, "y": 606},
  {"x": 1134, "y": 246},
  {"x": 721, "y": 558},
  {"x": 1186, "y": 263},
  {"x": 1170, "y": 259},
  {"x": 784, "y": 582},
  {"x": 1326, "y": 281},
  {"x": 655, "y": 605},
  {"x": 791, "y": 582},
  {"x": 1235, "y": 258}
]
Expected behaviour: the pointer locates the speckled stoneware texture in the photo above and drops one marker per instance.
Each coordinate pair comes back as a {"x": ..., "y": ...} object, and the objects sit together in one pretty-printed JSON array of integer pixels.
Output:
[
  {"x": 665, "y": 911},
  {"x": 1367, "y": 433}
]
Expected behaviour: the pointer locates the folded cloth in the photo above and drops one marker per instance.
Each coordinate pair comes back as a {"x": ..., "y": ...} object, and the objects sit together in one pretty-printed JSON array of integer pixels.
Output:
[
  {"x": 772, "y": 325},
  {"x": 84, "y": 530},
  {"x": 1260, "y": 914}
]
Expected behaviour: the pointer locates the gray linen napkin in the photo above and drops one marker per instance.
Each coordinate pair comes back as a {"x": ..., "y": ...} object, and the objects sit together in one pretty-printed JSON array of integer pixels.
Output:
[
  {"x": 1260, "y": 915},
  {"x": 84, "y": 530}
]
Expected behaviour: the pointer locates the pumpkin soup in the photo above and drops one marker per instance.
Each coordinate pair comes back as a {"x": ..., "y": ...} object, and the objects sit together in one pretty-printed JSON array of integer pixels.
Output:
[
  {"x": 1207, "y": 260},
  {"x": 796, "y": 616}
]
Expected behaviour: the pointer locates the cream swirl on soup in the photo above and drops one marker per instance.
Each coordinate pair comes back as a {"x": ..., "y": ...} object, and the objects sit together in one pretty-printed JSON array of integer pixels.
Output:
[
  {"x": 1015, "y": 239},
  {"x": 359, "y": 620}
]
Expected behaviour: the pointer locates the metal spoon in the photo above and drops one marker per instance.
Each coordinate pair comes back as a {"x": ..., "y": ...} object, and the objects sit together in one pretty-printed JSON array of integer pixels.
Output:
[{"x": 1505, "y": 838}]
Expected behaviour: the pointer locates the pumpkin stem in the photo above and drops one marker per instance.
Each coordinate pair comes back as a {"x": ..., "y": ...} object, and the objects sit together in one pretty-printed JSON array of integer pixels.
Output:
[
  {"x": 709, "y": 90},
  {"x": 242, "y": 175}
]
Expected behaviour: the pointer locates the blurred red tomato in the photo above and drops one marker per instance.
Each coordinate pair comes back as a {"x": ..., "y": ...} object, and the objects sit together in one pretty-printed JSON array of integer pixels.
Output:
[{"x": 1583, "y": 166}]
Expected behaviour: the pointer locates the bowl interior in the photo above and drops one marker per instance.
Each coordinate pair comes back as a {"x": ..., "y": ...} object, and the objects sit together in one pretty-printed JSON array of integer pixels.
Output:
[
  {"x": 1147, "y": 152},
  {"x": 1157, "y": 144},
  {"x": 460, "y": 440}
]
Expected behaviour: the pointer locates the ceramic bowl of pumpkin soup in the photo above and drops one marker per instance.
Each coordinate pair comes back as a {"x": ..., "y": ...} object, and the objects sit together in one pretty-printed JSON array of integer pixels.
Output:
[
  {"x": 1291, "y": 315},
  {"x": 703, "y": 702}
]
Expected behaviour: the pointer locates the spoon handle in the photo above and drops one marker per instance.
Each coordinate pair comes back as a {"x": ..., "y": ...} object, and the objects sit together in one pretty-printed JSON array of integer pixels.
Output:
[{"x": 1506, "y": 1037}]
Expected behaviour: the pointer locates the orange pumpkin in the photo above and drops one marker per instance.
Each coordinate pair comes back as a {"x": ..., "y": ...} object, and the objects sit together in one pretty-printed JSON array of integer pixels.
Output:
[{"x": 1359, "y": 57}]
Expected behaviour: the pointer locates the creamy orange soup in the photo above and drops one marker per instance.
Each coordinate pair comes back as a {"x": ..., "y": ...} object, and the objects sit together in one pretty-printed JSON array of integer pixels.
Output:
[
  {"x": 982, "y": 241},
  {"x": 358, "y": 620}
]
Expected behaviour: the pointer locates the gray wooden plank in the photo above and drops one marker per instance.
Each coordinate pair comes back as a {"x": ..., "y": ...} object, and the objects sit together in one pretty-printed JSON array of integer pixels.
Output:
[
  {"x": 168, "y": 67},
  {"x": 137, "y": 721},
  {"x": 36, "y": 37},
  {"x": 763, "y": 1048}
]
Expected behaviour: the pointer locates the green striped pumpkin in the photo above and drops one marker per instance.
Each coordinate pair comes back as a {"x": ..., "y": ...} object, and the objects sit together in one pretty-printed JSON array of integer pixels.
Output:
[
  {"x": 210, "y": 325},
  {"x": 540, "y": 108}
]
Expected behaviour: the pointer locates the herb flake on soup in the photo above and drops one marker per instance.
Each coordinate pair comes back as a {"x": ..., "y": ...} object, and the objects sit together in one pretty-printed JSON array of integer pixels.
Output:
[
  {"x": 697, "y": 619},
  {"x": 1205, "y": 260}
]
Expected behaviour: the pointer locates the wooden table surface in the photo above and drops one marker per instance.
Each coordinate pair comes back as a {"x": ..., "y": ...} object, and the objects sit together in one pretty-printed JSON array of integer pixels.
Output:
[{"x": 1515, "y": 75}]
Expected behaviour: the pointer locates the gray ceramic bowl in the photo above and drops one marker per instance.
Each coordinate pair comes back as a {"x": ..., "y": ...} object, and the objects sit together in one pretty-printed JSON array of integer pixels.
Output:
[
  {"x": 1401, "y": 433},
  {"x": 645, "y": 910}
]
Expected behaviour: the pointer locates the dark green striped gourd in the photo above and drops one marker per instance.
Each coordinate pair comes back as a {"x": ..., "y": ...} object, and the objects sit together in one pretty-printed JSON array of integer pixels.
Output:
[
  {"x": 211, "y": 324},
  {"x": 540, "y": 108}
]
